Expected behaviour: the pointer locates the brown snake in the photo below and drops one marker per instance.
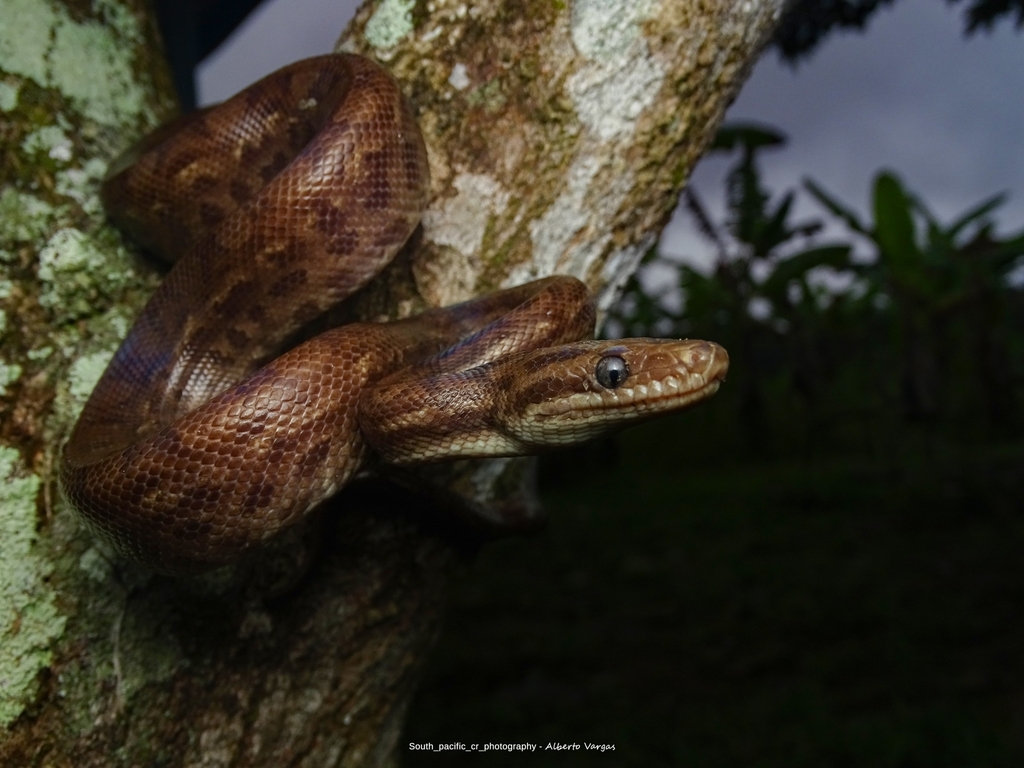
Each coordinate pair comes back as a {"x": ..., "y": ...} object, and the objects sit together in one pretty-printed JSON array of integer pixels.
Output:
[{"x": 282, "y": 201}]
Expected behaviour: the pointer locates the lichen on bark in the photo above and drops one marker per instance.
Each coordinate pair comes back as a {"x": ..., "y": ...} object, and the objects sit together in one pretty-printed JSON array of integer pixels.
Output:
[
  {"x": 29, "y": 617},
  {"x": 74, "y": 88}
]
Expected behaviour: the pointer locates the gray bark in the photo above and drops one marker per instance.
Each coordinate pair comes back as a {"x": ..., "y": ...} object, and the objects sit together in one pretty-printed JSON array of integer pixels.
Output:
[{"x": 559, "y": 135}]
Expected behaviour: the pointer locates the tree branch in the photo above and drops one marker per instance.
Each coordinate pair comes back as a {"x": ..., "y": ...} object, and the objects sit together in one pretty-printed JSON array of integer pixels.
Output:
[{"x": 559, "y": 137}]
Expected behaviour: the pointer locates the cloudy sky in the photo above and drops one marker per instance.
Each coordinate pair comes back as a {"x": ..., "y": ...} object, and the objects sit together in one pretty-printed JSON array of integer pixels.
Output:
[{"x": 912, "y": 94}]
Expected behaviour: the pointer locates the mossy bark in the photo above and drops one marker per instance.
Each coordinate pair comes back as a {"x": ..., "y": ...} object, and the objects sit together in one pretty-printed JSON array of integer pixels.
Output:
[{"x": 559, "y": 137}]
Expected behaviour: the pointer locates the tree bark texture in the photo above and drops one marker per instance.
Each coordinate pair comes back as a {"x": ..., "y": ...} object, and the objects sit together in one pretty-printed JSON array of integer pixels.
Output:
[{"x": 559, "y": 135}]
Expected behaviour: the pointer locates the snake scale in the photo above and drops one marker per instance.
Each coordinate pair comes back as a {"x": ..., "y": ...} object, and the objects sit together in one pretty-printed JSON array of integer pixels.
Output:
[{"x": 198, "y": 443}]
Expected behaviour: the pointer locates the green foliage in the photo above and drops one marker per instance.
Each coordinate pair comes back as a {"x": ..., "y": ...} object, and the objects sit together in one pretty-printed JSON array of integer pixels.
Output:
[
  {"x": 951, "y": 302},
  {"x": 807, "y": 22},
  {"x": 919, "y": 331},
  {"x": 985, "y": 13}
]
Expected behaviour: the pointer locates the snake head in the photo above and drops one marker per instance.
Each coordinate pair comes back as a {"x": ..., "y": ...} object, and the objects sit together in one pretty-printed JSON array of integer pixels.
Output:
[
  {"x": 573, "y": 393},
  {"x": 540, "y": 399}
]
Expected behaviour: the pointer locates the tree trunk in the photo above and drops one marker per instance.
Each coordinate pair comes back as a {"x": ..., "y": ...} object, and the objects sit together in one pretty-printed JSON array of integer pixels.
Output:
[{"x": 559, "y": 137}]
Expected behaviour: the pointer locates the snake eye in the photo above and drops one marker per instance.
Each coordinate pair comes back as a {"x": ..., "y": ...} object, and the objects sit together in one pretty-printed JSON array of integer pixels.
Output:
[{"x": 611, "y": 371}]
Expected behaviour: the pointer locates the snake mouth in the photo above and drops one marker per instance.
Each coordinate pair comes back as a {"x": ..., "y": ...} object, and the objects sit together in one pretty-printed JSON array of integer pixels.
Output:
[{"x": 668, "y": 394}]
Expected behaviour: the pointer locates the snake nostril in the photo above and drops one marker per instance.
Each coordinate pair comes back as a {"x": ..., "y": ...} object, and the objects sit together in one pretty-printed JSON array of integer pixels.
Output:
[
  {"x": 699, "y": 358},
  {"x": 707, "y": 359}
]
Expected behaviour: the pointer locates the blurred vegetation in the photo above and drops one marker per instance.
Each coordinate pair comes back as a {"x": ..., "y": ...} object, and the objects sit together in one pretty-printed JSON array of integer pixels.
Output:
[
  {"x": 806, "y": 23},
  {"x": 819, "y": 566},
  {"x": 912, "y": 332}
]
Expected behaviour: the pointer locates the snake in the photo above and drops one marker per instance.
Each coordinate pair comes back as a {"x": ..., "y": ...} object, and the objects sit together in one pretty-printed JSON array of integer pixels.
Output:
[{"x": 206, "y": 435}]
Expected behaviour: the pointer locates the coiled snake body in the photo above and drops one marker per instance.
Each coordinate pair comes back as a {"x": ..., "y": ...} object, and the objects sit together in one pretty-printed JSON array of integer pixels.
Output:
[{"x": 284, "y": 200}]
